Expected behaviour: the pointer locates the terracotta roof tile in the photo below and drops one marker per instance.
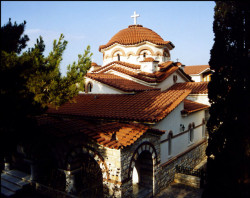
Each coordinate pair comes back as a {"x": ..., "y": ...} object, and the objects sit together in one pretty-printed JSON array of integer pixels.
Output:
[
  {"x": 129, "y": 65},
  {"x": 113, "y": 135},
  {"x": 165, "y": 64},
  {"x": 167, "y": 69},
  {"x": 195, "y": 69},
  {"x": 149, "y": 59},
  {"x": 147, "y": 106},
  {"x": 93, "y": 64},
  {"x": 135, "y": 34},
  {"x": 191, "y": 106},
  {"x": 196, "y": 87},
  {"x": 119, "y": 82}
]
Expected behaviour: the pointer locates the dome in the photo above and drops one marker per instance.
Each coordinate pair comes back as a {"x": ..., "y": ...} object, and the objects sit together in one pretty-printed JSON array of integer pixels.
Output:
[{"x": 135, "y": 34}]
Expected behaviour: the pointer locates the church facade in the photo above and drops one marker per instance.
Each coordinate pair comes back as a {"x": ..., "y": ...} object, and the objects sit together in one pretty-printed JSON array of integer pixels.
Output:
[{"x": 138, "y": 118}]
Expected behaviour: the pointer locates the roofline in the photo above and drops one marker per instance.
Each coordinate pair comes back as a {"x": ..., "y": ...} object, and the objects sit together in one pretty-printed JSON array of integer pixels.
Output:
[{"x": 136, "y": 45}]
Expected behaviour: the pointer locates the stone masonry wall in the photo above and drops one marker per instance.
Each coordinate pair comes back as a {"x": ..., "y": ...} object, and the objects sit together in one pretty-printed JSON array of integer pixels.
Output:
[
  {"x": 188, "y": 159},
  {"x": 127, "y": 155}
]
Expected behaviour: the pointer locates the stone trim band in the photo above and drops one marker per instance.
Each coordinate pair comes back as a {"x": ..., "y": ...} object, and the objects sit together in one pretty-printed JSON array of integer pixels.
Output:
[
  {"x": 183, "y": 153},
  {"x": 182, "y": 133}
]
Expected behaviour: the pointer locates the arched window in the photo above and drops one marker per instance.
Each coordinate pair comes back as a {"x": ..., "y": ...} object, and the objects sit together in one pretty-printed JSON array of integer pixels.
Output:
[
  {"x": 175, "y": 77},
  {"x": 170, "y": 136},
  {"x": 89, "y": 87},
  {"x": 191, "y": 133},
  {"x": 203, "y": 127},
  {"x": 118, "y": 57},
  {"x": 144, "y": 55}
]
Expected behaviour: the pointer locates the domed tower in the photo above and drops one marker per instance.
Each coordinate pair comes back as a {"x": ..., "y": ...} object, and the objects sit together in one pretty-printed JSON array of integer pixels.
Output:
[{"x": 134, "y": 44}]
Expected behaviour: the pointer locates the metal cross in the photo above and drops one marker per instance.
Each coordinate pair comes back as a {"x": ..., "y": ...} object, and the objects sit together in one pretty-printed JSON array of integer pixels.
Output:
[{"x": 135, "y": 16}]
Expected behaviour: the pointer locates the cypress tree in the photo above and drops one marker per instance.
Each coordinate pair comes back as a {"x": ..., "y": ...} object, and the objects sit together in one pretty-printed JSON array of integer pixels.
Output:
[{"x": 228, "y": 148}]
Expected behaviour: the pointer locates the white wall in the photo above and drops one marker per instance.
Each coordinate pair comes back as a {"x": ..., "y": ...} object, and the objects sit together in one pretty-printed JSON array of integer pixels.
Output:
[
  {"x": 172, "y": 123},
  {"x": 133, "y": 58},
  {"x": 100, "y": 88},
  {"x": 200, "y": 98},
  {"x": 168, "y": 82},
  {"x": 196, "y": 78}
]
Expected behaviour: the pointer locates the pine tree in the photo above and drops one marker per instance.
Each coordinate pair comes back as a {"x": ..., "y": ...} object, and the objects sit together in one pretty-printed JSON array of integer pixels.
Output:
[
  {"x": 228, "y": 148},
  {"x": 11, "y": 40},
  {"x": 30, "y": 82}
]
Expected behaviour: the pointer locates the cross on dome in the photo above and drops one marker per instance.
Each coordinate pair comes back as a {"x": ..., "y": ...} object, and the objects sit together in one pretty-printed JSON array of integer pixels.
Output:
[{"x": 135, "y": 16}]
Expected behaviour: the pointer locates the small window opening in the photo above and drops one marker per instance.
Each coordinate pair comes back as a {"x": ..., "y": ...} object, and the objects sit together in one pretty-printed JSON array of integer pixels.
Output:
[
  {"x": 191, "y": 135},
  {"x": 144, "y": 55},
  {"x": 118, "y": 57},
  {"x": 89, "y": 87},
  {"x": 170, "y": 144}
]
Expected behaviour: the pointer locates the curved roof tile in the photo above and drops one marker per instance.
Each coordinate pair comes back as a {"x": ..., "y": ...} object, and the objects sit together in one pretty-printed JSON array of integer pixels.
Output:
[{"x": 135, "y": 34}]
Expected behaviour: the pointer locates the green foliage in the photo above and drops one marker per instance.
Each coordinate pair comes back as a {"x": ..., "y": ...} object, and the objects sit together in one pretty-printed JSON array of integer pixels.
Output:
[
  {"x": 228, "y": 148},
  {"x": 11, "y": 40},
  {"x": 30, "y": 82}
]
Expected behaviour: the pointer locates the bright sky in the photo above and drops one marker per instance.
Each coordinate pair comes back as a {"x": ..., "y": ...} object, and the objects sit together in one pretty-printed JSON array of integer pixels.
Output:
[{"x": 187, "y": 24}]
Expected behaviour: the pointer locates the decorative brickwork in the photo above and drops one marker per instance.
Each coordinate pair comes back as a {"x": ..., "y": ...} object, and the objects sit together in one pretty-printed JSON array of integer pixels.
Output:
[{"x": 144, "y": 48}]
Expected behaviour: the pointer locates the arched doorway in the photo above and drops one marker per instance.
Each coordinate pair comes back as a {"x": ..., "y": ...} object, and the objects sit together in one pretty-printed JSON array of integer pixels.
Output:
[
  {"x": 141, "y": 171},
  {"x": 143, "y": 174},
  {"x": 88, "y": 180},
  {"x": 86, "y": 172}
]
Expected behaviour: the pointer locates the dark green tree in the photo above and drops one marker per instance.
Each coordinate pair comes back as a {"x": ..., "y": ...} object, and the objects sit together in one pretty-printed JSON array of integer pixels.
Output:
[
  {"x": 11, "y": 37},
  {"x": 30, "y": 82},
  {"x": 228, "y": 148}
]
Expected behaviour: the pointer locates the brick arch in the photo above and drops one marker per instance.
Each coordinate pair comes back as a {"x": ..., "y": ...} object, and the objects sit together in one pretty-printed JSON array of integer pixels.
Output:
[
  {"x": 144, "y": 48},
  {"x": 145, "y": 146},
  {"x": 130, "y": 53},
  {"x": 116, "y": 50},
  {"x": 94, "y": 154},
  {"x": 158, "y": 53},
  {"x": 107, "y": 56}
]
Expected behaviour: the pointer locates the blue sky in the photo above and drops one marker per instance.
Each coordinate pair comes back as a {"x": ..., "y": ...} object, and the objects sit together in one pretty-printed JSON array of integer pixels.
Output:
[{"x": 187, "y": 24}]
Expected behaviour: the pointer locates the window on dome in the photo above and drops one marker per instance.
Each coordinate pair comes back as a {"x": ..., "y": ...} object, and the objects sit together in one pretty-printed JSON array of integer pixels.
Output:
[
  {"x": 144, "y": 55},
  {"x": 118, "y": 57}
]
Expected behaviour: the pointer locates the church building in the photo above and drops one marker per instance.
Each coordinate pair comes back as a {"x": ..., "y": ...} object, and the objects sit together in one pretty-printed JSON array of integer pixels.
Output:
[{"x": 140, "y": 116}]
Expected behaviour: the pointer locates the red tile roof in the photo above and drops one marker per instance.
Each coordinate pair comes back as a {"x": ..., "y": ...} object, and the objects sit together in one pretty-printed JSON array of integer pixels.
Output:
[
  {"x": 196, "y": 87},
  {"x": 166, "y": 69},
  {"x": 135, "y": 34},
  {"x": 195, "y": 69},
  {"x": 149, "y": 59},
  {"x": 119, "y": 82},
  {"x": 191, "y": 106},
  {"x": 147, "y": 106},
  {"x": 128, "y": 65},
  {"x": 94, "y": 64},
  {"x": 165, "y": 64},
  {"x": 113, "y": 135}
]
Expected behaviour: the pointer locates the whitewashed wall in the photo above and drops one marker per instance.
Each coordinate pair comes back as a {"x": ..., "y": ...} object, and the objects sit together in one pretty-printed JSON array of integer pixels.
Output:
[
  {"x": 200, "y": 98},
  {"x": 172, "y": 123},
  {"x": 196, "y": 78},
  {"x": 100, "y": 88},
  {"x": 133, "y": 58},
  {"x": 169, "y": 81}
]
